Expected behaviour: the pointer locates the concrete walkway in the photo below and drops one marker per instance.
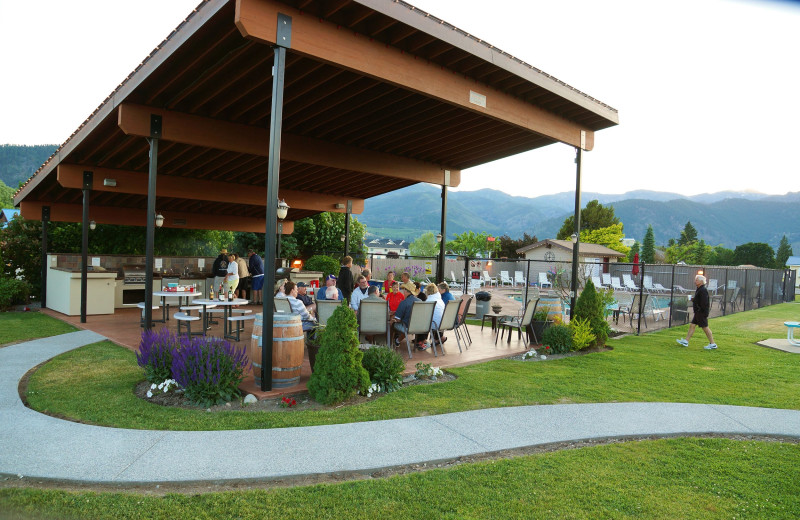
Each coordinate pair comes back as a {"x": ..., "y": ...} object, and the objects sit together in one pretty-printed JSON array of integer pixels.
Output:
[{"x": 37, "y": 446}]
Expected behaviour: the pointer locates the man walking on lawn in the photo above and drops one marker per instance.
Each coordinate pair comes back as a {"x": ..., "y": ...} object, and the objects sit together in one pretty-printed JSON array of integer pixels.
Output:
[{"x": 701, "y": 305}]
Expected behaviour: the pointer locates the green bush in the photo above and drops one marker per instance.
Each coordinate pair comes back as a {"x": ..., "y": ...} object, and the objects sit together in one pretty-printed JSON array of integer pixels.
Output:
[
  {"x": 558, "y": 338},
  {"x": 338, "y": 373},
  {"x": 590, "y": 307},
  {"x": 582, "y": 335},
  {"x": 385, "y": 368},
  {"x": 13, "y": 292},
  {"x": 326, "y": 264}
]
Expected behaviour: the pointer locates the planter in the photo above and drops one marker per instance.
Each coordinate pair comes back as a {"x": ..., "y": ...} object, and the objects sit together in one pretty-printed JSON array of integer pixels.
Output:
[
  {"x": 497, "y": 308},
  {"x": 539, "y": 328}
]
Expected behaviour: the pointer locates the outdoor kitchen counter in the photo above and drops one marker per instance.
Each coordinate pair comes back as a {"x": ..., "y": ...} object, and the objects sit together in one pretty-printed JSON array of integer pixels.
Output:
[{"x": 64, "y": 291}]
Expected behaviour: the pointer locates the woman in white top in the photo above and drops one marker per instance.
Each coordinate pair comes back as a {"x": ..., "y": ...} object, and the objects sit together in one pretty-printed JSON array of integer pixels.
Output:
[
  {"x": 433, "y": 295},
  {"x": 232, "y": 278}
]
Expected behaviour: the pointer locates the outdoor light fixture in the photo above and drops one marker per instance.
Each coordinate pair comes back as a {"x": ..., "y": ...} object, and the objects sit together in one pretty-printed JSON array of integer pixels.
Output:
[
  {"x": 92, "y": 225},
  {"x": 339, "y": 206},
  {"x": 283, "y": 209},
  {"x": 342, "y": 238},
  {"x": 700, "y": 271},
  {"x": 110, "y": 182},
  {"x": 574, "y": 238},
  {"x": 438, "y": 238},
  {"x": 159, "y": 220}
]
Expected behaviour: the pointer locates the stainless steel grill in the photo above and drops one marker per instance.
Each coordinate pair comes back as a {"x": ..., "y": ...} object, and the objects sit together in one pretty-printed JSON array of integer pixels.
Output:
[{"x": 133, "y": 274}]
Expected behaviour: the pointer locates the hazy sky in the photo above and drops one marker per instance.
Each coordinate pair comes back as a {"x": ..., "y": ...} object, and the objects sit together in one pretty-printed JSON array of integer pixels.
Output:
[{"x": 706, "y": 90}]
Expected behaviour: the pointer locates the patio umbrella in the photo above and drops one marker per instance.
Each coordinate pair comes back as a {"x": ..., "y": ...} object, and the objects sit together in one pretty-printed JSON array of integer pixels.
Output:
[{"x": 635, "y": 264}]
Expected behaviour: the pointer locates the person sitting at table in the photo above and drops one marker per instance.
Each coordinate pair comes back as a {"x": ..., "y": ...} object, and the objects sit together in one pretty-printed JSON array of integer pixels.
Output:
[
  {"x": 298, "y": 308},
  {"x": 330, "y": 281},
  {"x": 420, "y": 294},
  {"x": 444, "y": 290},
  {"x": 359, "y": 293},
  {"x": 302, "y": 295},
  {"x": 389, "y": 283},
  {"x": 394, "y": 297},
  {"x": 402, "y": 317},
  {"x": 373, "y": 294},
  {"x": 333, "y": 294},
  {"x": 432, "y": 292},
  {"x": 280, "y": 288}
]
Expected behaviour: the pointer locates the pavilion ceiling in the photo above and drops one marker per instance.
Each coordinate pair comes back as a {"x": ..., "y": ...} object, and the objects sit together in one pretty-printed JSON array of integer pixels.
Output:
[{"x": 211, "y": 78}]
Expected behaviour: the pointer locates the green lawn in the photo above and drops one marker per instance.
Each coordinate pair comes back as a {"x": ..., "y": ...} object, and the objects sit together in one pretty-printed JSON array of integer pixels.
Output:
[
  {"x": 94, "y": 383},
  {"x": 661, "y": 479},
  {"x": 23, "y": 326}
]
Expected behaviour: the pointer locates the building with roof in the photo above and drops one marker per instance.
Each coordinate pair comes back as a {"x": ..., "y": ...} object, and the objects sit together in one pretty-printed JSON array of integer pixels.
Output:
[
  {"x": 793, "y": 263},
  {"x": 6, "y": 215},
  {"x": 551, "y": 250},
  {"x": 383, "y": 247}
]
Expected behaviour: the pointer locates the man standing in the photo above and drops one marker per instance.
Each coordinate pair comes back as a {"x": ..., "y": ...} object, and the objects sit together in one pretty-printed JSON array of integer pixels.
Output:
[
  {"x": 360, "y": 292},
  {"x": 701, "y": 306},
  {"x": 220, "y": 268},
  {"x": 345, "y": 280},
  {"x": 330, "y": 281},
  {"x": 256, "y": 267},
  {"x": 244, "y": 276}
]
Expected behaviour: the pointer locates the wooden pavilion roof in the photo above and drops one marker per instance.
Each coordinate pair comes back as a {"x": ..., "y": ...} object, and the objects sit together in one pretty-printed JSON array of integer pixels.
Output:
[{"x": 379, "y": 95}]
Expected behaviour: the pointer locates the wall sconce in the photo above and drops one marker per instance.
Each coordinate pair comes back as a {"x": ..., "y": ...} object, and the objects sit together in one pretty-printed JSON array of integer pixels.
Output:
[
  {"x": 339, "y": 206},
  {"x": 159, "y": 220},
  {"x": 438, "y": 238},
  {"x": 110, "y": 182},
  {"x": 283, "y": 209},
  {"x": 574, "y": 238},
  {"x": 92, "y": 225}
]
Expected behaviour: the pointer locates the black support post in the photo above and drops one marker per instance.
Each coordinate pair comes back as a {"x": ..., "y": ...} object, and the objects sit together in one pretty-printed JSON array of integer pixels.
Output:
[
  {"x": 155, "y": 135},
  {"x": 442, "y": 245},
  {"x": 284, "y": 41},
  {"x": 573, "y": 291},
  {"x": 45, "y": 225},
  {"x": 87, "y": 188},
  {"x": 347, "y": 227}
]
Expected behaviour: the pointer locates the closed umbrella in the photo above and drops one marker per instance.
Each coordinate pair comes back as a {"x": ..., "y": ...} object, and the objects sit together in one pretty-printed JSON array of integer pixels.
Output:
[{"x": 635, "y": 270}]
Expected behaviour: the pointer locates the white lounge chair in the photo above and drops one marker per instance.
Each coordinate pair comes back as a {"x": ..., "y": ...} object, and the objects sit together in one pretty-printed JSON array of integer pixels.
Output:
[
  {"x": 488, "y": 280},
  {"x": 713, "y": 285},
  {"x": 660, "y": 287},
  {"x": 506, "y": 279},
  {"x": 597, "y": 283},
  {"x": 518, "y": 278},
  {"x": 615, "y": 284},
  {"x": 629, "y": 283},
  {"x": 680, "y": 289},
  {"x": 607, "y": 279},
  {"x": 648, "y": 284},
  {"x": 543, "y": 281}
]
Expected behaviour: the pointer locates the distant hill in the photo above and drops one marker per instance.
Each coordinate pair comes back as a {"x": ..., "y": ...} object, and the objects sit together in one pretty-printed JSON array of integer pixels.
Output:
[
  {"x": 19, "y": 162},
  {"x": 727, "y": 218}
]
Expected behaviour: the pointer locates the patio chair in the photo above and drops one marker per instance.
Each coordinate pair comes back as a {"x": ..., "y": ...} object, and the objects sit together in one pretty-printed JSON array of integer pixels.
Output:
[
  {"x": 518, "y": 278},
  {"x": 597, "y": 283},
  {"x": 373, "y": 318},
  {"x": 461, "y": 324},
  {"x": 325, "y": 309},
  {"x": 680, "y": 310},
  {"x": 615, "y": 284},
  {"x": 506, "y": 279},
  {"x": 607, "y": 279},
  {"x": 449, "y": 322},
  {"x": 488, "y": 280},
  {"x": 680, "y": 289},
  {"x": 660, "y": 287},
  {"x": 629, "y": 283},
  {"x": 521, "y": 323},
  {"x": 648, "y": 284},
  {"x": 282, "y": 305},
  {"x": 475, "y": 285},
  {"x": 452, "y": 280},
  {"x": 632, "y": 310},
  {"x": 543, "y": 281},
  {"x": 712, "y": 287},
  {"x": 420, "y": 322},
  {"x": 731, "y": 296}
]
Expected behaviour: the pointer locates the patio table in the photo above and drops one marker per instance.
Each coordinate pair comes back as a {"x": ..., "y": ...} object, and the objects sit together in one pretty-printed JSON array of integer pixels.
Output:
[
  {"x": 494, "y": 317},
  {"x": 227, "y": 306},
  {"x": 174, "y": 294}
]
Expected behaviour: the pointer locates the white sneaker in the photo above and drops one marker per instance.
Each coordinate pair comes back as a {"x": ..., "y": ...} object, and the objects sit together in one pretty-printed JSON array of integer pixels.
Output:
[
  {"x": 710, "y": 346},
  {"x": 682, "y": 342}
]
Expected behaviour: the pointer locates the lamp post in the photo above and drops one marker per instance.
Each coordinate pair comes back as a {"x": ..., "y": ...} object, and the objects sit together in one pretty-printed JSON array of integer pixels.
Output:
[
  {"x": 573, "y": 291},
  {"x": 159, "y": 220},
  {"x": 440, "y": 263},
  {"x": 283, "y": 209}
]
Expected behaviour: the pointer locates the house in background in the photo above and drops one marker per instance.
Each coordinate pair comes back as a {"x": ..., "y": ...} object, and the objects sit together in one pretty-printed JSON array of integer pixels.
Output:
[
  {"x": 793, "y": 263},
  {"x": 6, "y": 215},
  {"x": 383, "y": 247},
  {"x": 551, "y": 250}
]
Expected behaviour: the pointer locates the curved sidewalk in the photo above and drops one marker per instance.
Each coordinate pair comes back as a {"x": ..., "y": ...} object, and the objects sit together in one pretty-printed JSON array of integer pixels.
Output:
[{"x": 38, "y": 446}]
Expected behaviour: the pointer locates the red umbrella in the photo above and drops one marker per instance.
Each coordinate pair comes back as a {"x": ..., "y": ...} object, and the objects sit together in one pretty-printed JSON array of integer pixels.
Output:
[{"x": 635, "y": 264}]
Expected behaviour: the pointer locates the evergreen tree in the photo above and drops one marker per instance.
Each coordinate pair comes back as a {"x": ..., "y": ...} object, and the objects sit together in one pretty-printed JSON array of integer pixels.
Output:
[
  {"x": 649, "y": 246},
  {"x": 633, "y": 252},
  {"x": 589, "y": 306},
  {"x": 783, "y": 254},
  {"x": 688, "y": 235}
]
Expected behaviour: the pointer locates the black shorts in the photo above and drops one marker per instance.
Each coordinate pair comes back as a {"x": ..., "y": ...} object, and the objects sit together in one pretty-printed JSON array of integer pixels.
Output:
[{"x": 700, "y": 320}]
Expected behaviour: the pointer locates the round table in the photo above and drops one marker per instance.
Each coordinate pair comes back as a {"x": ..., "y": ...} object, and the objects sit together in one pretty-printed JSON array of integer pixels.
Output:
[{"x": 227, "y": 306}]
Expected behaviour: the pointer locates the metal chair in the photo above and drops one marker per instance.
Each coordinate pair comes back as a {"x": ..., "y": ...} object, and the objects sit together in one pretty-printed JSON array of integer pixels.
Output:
[
  {"x": 373, "y": 318},
  {"x": 449, "y": 322},
  {"x": 325, "y": 309},
  {"x": 420, "y": 322},
  {"x": 520, "y": 323},
  {"x": 461, "y": 324},
  {"x": 282, "y": 305},
  {"x": 633, "y": 309}
]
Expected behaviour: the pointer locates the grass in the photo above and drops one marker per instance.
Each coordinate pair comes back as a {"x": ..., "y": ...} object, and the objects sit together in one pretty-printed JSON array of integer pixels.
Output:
[
  {"x": 94, "y": 383},
  {"x": 671, "y": 478},
  {"x": 24, "y": 326}
]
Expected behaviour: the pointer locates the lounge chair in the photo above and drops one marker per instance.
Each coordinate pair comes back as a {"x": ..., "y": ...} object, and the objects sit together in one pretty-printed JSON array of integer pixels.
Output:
[
  {"x": 615, "y": 284},
  {"x": 648, "y": 284},
  {"x": 607, "y": 279},
  {"x": 680, "y": 289},
  {"x": 518, "y": 278},
  {"x": 660, "y": 287},
  {"x": 629, "y": 283},
  {"x": 488, "y": 280},
  {"x": 712, "y": 287},
  {"x": 597, "y": 283},
  {"x": 506, "y": 279},
  {"x": 543, "y": 281}
]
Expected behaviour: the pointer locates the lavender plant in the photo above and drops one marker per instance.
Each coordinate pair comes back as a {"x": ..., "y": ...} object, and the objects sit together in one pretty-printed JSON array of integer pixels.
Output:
[
  {"x": 155, "y": 354},
  {"x": 209, "y": 369}
]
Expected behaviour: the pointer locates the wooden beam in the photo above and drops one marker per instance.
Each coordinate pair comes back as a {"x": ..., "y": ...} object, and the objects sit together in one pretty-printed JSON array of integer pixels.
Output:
[
  {"x": 71, "y": 175},
  {"x": 325, "y": 41},
  {"x": 136, "y": 217},
  {"x": 235, "y": 137}
]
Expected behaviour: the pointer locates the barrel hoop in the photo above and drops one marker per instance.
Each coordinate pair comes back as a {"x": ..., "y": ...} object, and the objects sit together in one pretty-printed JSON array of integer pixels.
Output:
[
  {"x": 285, "y": 369},
  {"x": 289, "y": 339}
]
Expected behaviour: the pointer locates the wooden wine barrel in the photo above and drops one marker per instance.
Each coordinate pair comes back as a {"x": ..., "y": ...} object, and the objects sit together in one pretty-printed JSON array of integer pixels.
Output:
[
  {"x": 553, "y": 306},
  {"x": 287, "y": 349}
]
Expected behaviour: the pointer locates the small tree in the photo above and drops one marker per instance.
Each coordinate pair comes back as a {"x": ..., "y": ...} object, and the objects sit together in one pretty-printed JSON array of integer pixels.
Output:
[
  {"x": 688, "y": 235},
  {"x": 589, "y": 306},
  {"x": 424, "y": 245},
  {"x": 633, "y": 251},
  {"x": 783, "y": 254},
  {"x": 338, "y": 373},
  {"x": 649, "y": 246}
]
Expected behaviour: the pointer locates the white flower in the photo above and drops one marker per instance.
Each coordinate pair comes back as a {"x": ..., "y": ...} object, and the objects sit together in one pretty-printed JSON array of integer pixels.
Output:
[
  {"x": 149, "y": 394},
  {"x": 153, "y": 386}
]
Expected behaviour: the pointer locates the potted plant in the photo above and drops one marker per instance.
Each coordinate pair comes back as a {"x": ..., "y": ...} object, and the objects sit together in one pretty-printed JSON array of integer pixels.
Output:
[{"x": 540, "y": 321}]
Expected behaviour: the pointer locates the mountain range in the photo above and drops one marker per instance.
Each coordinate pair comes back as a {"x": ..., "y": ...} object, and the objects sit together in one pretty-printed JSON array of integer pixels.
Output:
[{"x": 726, "y": 218}]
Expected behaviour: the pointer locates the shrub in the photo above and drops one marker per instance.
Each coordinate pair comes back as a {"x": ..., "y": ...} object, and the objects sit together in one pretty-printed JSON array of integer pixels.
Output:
[
  {"x": 582, "y": 335},
  {"x": 155, "y": 354},
  {"x": 541, "y": 313},
  {"x": 208, "y": 369},
  {"x": 13, "y": 292},
  {"x": 385, "y": 368},
  {"x": 558, "y": 338},
  {"x": 338, "y": 373},
  {"x": 326, "y": 264},
  {"x": 590, "y": 307}
]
